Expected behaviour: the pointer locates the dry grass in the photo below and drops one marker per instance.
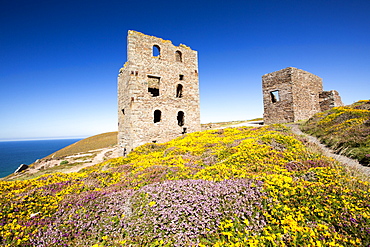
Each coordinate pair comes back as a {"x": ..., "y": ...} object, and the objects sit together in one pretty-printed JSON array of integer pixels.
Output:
[
  {"x": 65, "y": 168},
  {"x": 91, "y": 143},
  {"x": 226, "y": 124}
]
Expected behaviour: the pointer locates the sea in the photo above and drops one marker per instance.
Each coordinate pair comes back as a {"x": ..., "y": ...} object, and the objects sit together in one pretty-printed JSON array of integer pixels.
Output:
[{"x": 15, "y": 153}]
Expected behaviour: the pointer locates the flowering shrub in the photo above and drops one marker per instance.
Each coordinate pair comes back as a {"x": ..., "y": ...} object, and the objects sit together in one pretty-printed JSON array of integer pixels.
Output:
[
  {"x": 231, "y": 187},
  {"x": 85, "y": 218},
  {"x": 313, "y": 213},
  {"x": 182, "y": 211},
  {"x": 345, "y": 129}
]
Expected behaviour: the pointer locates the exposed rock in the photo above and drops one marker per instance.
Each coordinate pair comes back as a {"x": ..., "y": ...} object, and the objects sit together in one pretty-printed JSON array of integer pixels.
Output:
[{"x": 22, "y": 167}]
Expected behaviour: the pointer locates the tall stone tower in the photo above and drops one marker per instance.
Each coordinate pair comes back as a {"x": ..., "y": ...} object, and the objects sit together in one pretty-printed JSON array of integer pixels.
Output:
[
  {"x": 292, "y": 94},
  {"x": 158, "y": 92}
]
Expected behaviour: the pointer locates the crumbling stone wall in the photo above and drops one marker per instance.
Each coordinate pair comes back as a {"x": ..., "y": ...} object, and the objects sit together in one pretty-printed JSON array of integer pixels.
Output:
[
  {"x": 292, "y": 94},
  {"x": 158, "y": 92},
  {"x": 329, "y": 99}
]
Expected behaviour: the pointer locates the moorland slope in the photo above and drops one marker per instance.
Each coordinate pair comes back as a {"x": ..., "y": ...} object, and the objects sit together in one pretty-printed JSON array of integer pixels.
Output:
[
  {"x": 344, "y": 129},
  {"x": 243, "y": 186},
  {"x": 91, "y": 143}
]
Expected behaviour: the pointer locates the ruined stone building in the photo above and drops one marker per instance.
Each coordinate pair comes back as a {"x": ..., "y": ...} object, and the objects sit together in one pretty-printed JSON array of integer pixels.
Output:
[
  {"x": 292, "y": 94},
  {"x": 158, "y": 92}
]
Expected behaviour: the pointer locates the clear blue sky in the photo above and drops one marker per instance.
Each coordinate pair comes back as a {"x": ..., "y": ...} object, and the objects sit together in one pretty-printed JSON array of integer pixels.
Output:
[{"x": 60, "y": 59}]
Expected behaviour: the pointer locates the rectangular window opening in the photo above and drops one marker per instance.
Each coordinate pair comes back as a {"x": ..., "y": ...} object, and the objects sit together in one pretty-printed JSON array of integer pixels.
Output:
[
  {"x": 153, "y": 91},
  {"x": 275, "y": 96},
  {"x": 181, "y": 77},
  {"x": 153, "y": 85}
]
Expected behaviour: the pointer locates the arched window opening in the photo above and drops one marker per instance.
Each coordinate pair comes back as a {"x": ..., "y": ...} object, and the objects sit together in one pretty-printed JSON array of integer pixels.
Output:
[
  {"x": 180, "y": 118},
  {"x": 156, "y": 51},
  {"x": 179, "y": 91},
  {"x": 178, "y": 56},
  {"x": 275, "y": 96},
  {"x": 157, "y": 116}
]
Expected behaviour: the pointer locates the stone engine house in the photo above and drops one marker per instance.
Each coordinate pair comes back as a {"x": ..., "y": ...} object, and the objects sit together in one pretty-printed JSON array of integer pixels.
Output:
[
  {"x": 158, "y": 92},
  {"x": 292, "y": 94}
]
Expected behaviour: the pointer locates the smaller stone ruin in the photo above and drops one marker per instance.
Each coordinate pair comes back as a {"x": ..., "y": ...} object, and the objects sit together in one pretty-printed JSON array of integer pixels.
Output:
[{"x": 291, "y": 95}]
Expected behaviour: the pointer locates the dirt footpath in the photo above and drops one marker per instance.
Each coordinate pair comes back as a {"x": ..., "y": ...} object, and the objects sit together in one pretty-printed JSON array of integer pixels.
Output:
[{"x": 350, "y": 163}]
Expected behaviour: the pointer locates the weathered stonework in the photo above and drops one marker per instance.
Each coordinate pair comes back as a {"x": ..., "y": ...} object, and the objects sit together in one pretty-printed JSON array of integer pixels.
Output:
[
  {"x": 292, "y": 94},
  {"x": 329, "y": 99},
  {"x": 158, "y": 92}
]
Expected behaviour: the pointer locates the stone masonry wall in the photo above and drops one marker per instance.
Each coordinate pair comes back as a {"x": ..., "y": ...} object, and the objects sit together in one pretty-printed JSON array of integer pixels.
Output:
[
  {"x": 290, "y": 95},
  {"x": 329, "y": 99},
  {"x": 158, "y": 92},
  {"x": 306, "y": 90},
  {"x": 281, "y": 110}
]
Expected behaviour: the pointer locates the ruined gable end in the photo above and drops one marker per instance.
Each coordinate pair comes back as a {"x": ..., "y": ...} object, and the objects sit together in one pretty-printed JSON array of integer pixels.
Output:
[{"x": 158, "y": 92}]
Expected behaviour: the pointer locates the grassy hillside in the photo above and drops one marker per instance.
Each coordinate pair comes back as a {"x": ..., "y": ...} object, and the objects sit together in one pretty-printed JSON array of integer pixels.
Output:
[
  {"x": 91, "y": 143},
  {"x": 345, "y": 129},
  {"x": 233, "y": 187}
]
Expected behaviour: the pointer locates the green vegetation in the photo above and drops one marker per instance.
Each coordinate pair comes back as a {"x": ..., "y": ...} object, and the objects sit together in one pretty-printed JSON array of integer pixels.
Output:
[
  {"x": 344, "y": 129},
  {"x": 63, "y": 162},
  {"x": 91, "y": 143},
  {"x": 229, "y": 187}
]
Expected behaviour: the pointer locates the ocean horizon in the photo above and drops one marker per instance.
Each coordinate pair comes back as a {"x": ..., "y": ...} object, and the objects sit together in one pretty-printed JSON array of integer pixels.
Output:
[
  {"x": 15, "y": 152},
  {"x": 43, "y": 138}
]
